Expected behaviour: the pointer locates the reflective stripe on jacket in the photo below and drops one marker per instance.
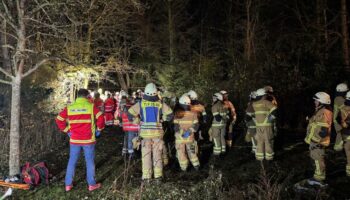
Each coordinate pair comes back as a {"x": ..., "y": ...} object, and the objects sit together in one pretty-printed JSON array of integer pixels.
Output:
[
  {"x": 129, "y": 126},
  {"x": 262, "y": 110},
  {"x": 219, "y": 109},
  {"x": 186, "y": 120},
  {"x": 151, "y": 113},
  {"x": 321, "y": 119},
  {"x": 109, "y": 105},
  {"x": 79, "y": 119}
]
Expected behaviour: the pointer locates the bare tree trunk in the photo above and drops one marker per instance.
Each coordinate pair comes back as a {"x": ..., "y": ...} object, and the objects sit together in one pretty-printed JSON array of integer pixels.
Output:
[
  {"x": 14, "y": 161},
  {"x": 248, "y": 45},
  {"x": 171, "y": 33},
  {"x": 345, "y": 34},
  {"x": 122, "y": 81}
]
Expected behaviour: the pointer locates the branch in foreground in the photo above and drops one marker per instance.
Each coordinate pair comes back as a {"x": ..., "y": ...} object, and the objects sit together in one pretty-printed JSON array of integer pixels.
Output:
[
  {"x": 38, "y": 65},
  {"x": 6, "y": 73},
  {"x": 5, "y": 82}
]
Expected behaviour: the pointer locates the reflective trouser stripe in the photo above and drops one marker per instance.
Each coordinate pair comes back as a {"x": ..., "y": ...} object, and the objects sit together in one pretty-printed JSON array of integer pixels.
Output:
[
  {"x": 165, "y": 155},
  {"x": 195, "y": 161},
  {"x": 259, "y": 156},
  {"x": 269, "y": 156},
  {"x": 223, "y": 149},
  {"x": 319, "y": 175},
  {"x": 158, "y": 172},
  {"x": 218, "y": 135},
  {"x": 348, "y": 170},
  {"x": 183, "y": 164}
]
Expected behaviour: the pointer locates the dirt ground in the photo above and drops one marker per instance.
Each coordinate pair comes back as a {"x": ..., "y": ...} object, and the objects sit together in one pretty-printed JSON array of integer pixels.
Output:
[{"x": 236, "y": 175}]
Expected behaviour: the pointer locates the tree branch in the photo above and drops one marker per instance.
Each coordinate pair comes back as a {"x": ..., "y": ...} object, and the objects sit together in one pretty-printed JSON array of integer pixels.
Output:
[
  {"x": 43, "y": 61},
  {"x": 5, "y": 82},
  {"x": 6, "y": 73}
]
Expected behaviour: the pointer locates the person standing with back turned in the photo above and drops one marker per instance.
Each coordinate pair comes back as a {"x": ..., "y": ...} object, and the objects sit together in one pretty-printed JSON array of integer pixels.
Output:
[
  {"x": 79, "y": 121},
  {"x": 152, "y": 112}
]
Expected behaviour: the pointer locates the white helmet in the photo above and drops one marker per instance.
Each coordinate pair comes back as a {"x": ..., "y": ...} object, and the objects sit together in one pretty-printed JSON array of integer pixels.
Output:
[
  {"x": 268, "y": 89},
  {"x": 260, "y": 92},
  {"x": 323, "y": 98},
  {"x": 223, "y": 92},
  {"x": 252, "y": 95},
  {"x": 185, "y": 100},
  {"x": 347, "y": 97},
  {"x": 151, "y": 89},
  {"x": 219, "y": 96},
  {"x": 192, "y": 94},
  {"x": 123, "y": 93},
  {"x": 342, "y": 87}
]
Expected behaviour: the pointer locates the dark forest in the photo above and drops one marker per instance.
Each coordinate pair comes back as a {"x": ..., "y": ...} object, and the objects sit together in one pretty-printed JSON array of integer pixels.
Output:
[{"x": 52, "y": 48}]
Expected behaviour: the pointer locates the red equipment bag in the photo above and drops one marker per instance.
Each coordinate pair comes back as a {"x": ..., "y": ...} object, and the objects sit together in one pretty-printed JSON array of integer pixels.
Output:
[{"x": 36, "y": 174}]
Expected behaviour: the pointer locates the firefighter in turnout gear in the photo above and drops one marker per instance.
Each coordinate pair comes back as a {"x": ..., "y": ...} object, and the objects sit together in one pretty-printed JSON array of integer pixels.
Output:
[
  {"x": 232, "y": 118},
  {"x": 264, "y": 116},
  {"x": 220, "y": 117},
  {"x": 152, "y": 112},
  {"x": 185, "y": 125},
  {"x": 345, "y": 124},
  {"x": 318, "y": 135},
  {"x": 199, "y": 109},
  {"x": 250, "y": 123},
  {"x": 339, "y": 100}
]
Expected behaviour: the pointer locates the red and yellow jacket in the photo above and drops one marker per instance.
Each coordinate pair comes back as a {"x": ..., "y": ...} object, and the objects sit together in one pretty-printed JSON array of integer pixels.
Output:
[
  {"x": 79, "y": 119},
  {"x": 99, "y": 104}
]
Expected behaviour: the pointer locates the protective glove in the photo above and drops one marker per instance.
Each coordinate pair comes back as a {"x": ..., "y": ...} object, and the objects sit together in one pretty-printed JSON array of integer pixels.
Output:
[
  {"x": 218, "y": 118},
  {"x": 186, "y": 134},
  {"x": 69, "y": 134},
  {"x": 271, "y": 118},
  {"x": 97, "y": 134}
]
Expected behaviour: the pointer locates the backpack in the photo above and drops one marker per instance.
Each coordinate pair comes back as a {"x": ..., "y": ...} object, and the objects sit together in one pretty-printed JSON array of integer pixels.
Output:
[{"x": 36, "y": 174}]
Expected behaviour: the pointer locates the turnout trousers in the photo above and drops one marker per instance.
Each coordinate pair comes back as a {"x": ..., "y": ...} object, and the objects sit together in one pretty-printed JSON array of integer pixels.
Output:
[
  {"x": 317, "y": 154},
  {"x": 219, "y": 140},
  {"x": 151, "y": 150},
  {"x": 185, "y": 152},
  {"x": 264, "y": 143}
]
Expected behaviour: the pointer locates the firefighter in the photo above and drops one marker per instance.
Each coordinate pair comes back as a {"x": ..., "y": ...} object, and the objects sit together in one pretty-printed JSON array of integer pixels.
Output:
[
  {"x": 152, "y": 112},
  {"x": 345, "y": 124},
  {"x": 79, "y": 122},
  {"x": 318, "y": 136},
  {"x": 339, "y": 100},
  {"x": 264, "y": 116},
  {"x": 98, "y": 102},
  {"x": 232, "y": 118},
  {"x": 199, "y": 109},
  {"x": 109, "y": 110},
  {"x": 220, "y": 117},
  {"x": 185, "y": 125},
  {"x": 250, "y": 123}
]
